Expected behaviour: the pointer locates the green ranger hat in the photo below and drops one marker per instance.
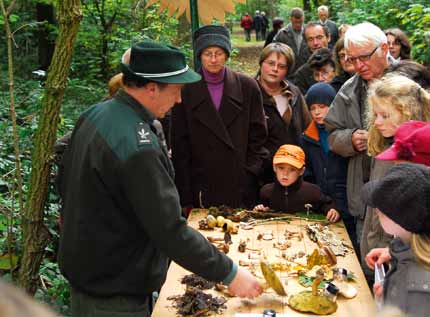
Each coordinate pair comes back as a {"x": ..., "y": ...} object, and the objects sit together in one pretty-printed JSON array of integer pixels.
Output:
[{"x": 159, "y": 63}]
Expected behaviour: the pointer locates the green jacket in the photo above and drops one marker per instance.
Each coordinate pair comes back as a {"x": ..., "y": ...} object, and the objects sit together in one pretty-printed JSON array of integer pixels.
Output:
[{"x": 121, "y": 214}]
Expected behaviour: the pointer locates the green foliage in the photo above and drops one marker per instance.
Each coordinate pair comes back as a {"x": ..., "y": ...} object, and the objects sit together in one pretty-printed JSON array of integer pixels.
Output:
[
  {"x": 416, "y": 22},
  {"x": 413, "y": 17},
  {"x": 55, "y": 289}
]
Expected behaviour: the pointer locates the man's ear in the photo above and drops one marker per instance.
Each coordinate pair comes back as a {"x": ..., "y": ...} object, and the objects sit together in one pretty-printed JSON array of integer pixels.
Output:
[
  {"x": 384, "y": 48},
  {"x": 152, "y": 89}
]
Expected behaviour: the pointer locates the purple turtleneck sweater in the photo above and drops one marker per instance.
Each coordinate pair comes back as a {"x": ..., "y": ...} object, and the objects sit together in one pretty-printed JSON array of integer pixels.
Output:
[{"x": 215, "y": 83}]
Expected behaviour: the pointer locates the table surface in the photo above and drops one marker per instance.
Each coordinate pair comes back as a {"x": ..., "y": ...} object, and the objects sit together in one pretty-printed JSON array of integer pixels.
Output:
[{"x": 362, "y": 305}]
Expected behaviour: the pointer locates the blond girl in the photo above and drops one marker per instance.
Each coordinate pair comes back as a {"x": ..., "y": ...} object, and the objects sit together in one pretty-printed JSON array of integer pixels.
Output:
[{"x": 392, "y": 100}]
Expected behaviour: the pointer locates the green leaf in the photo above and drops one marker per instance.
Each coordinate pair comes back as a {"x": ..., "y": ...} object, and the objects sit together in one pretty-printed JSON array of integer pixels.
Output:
[
  {"x": 307, "y": 281},
  {"x": 5, "y": 261},
  {"x": 13, "y": 18}
]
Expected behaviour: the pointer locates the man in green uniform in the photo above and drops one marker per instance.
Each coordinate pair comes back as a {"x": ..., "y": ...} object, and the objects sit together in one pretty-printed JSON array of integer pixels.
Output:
[{"x": 121, "y": 213}]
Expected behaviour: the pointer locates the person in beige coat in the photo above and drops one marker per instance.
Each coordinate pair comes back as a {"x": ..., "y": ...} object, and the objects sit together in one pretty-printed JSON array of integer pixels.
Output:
[{"x": 367, "y": 49}]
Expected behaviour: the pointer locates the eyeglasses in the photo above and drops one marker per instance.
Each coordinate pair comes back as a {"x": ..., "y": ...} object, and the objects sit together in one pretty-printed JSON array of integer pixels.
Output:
[
  {"x": 274, "y": 64},
  {"x": 215, "y": 55},
  {"x": 392, "y": 43},
  {"x": 323, "y": 73},
  {"x": 361, "y": 58}
]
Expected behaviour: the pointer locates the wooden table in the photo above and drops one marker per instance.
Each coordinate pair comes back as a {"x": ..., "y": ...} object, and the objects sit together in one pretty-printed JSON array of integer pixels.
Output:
[{"x": 362, "y": 305}]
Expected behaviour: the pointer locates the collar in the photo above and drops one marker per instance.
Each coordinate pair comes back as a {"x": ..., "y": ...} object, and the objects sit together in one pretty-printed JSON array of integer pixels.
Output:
[
  {"x": 400, "y": 250},
  {"x": 312, "y": 131},
  {"x": 268, "y": 99},
  {"x": 139, "y": 108},
  {"x": 211, "y": 78},
  {"x": 232, "y": 90}
]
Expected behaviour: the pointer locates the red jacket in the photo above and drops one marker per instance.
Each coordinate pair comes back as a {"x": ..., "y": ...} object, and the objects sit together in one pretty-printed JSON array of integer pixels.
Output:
[{"x": 246, "y": 22}]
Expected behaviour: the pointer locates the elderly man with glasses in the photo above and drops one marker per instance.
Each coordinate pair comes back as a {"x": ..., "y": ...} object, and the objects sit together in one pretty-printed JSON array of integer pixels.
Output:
[{"x": 367, "y": 49}]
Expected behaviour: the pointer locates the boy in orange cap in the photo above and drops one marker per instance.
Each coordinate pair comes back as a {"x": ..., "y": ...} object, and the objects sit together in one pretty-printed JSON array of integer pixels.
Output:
[{"x": 289, "y": 193}]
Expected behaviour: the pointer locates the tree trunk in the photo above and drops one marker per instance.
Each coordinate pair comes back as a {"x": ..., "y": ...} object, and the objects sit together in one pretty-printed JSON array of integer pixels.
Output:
[
  {"x": 104, "y": 59},
  {"x": 35, "y": 234},
  {"x": 46, "y": 46},
  {"x": 184, "y": 31},
  {"x": 307, "y": 5}
]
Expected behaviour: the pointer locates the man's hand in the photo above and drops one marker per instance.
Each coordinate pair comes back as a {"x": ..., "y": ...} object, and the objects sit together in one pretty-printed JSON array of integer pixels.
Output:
[
  {"x": 333, "y": 215},
  {"x": 245, "y": 284},
  {"x": 359, "y": 140},
  {"x": 261, "y": 208},
  {"x": 378, "y": 255}
]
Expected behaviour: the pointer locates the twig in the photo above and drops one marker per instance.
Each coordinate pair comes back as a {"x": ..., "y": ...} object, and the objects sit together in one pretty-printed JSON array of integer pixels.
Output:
[{"x": 43, "y": 282}]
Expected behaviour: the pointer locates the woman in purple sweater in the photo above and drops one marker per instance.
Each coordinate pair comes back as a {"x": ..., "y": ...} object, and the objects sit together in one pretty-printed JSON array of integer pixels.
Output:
[{"x": 219, "y": 130}]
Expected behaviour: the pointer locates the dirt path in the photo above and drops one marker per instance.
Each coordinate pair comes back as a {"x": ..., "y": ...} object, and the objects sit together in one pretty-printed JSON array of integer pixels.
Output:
[{"x": 246, "y": 60}]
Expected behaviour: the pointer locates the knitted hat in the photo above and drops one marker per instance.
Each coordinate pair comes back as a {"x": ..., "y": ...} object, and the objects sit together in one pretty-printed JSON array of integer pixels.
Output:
[
  {"x": 411, "y": 143},
  {"x": 211, "y": 35},
  {"x": 290, "y": 154},
  {"x": 403, "y": 195},
  {"x": 320, "y": 93}
]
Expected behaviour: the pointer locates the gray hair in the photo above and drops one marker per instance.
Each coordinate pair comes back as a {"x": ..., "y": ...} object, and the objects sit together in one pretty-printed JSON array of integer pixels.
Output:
[
  {"x": 363, "y": 34},
  {"x": 322, "y": 8}
]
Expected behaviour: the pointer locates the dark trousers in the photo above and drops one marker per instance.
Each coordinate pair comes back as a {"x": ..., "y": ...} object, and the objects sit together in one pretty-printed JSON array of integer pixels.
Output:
[
  {"x": 247, "y": 34},
  {"x": 258, "y": 35},
  {"x": 84, "y": 305}
]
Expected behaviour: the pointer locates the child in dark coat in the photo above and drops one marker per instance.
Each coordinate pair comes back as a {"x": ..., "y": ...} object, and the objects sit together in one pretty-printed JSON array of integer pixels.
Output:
[
  {"x": 323, "y": 167},
  {"x": 289, "y": 193},
  {"x": 402, "y": 200}
]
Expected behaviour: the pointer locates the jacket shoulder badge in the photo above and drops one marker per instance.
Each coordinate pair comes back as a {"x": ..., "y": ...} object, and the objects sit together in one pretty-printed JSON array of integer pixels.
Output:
[{"x": 143, "y": 134}]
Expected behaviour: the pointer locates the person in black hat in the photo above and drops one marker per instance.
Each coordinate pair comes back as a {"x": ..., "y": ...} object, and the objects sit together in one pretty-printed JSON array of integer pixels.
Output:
[
  {"x": 219, "y": 130},
  {"x": 121, "y": 216},
  {"x": 402, "y": 200}
]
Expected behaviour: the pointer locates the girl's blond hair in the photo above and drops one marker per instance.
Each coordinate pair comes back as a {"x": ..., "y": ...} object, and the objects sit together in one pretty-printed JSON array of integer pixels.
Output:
[
  {"x": 400, "y": 93},
  {"x": 420, "y": 244}
]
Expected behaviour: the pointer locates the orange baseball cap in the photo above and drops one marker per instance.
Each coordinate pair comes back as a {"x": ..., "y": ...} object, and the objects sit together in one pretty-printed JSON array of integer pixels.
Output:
[{"x": 290, "y": 154}]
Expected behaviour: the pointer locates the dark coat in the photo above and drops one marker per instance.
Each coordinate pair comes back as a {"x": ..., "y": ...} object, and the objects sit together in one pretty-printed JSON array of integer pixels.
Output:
[
  {"x": 218, "y": 154},
  {"x": 279, "y": 131},
  {"x": 334, "y": 33},
  {"x": 316, "y": 159},
  {"x": 121, "y": 213},
  {"x": 304, "y": 78},
  {"x": 339, "y": 80},
  {"x": 265, "y": 22},
  {"x": 302, "y": 53},
  {"x": 293, "y": 198},
  {"x": 258, "y": 22},
  {"x": 328, "y": 171},
  {"x": 269, "y": 38}
]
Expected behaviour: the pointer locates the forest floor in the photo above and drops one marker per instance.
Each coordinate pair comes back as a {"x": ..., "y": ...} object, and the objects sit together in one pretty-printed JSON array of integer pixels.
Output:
[{"x": 245, "y": 54}]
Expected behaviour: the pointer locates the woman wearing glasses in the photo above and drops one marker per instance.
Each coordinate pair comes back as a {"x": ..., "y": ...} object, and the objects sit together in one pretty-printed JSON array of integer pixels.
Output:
[
  {"x": 344, "y": 68},
  {"x": 218, "y": 131},
  {"x": 284, "y": 105},
  {"x": 398, "y": 43}
]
